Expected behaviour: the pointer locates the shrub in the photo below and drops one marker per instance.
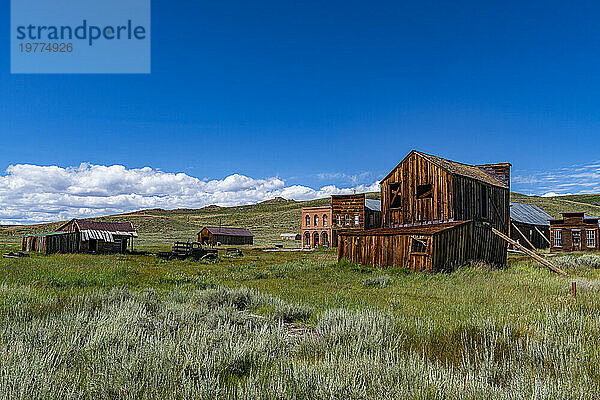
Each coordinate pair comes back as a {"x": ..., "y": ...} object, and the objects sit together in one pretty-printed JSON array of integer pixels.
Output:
[{"x": 377, "y": 281}]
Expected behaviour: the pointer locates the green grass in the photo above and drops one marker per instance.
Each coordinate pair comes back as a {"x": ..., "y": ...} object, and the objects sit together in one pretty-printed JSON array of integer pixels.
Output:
[{"x": 130, "y": 326}]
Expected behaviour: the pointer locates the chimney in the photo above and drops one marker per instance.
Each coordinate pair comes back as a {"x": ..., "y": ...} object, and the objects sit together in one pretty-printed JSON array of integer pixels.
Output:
[{"x": 498, "y": 171}]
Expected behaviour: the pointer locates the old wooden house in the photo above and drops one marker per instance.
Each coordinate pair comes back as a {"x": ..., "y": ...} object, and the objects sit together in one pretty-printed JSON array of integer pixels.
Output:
[
  {"x": 214, "y": 235},
  {"x": 436, "y": 214},
  {"x": 529, "y": 225},
  {"x": 84, "y": 236},
  {"x": 353, "y": 212},
  {"x": 321, "y": 225},
  {"x": 574, "y": 232}
]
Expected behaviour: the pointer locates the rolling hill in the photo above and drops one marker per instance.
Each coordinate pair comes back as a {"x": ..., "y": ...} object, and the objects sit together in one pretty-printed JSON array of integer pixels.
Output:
[{"x": 267, "y": 220}]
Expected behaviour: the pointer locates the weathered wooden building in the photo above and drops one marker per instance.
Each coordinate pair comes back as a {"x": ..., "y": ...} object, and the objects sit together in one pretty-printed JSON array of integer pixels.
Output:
[
  {"x": 529, "y": 225},
  {"x": 352, "y": 212},
  {"x": 436, "y": 213},
  {"x": 574, "y": 232},
  {"x": 83, "y": 236},
  {"x": 214, "y": 235}
]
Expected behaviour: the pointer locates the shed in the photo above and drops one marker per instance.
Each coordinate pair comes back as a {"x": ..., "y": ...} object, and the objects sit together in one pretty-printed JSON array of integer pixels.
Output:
[
  {"x": 80, "y": 235},
  {"x": 530, "y": 225},
  {"x": 213, "y": 235}
]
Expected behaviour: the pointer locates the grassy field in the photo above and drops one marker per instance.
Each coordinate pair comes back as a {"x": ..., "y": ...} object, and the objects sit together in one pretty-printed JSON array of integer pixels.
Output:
[
  {"x": 134, "y": 327},
  {"x": 131, "y": 326}
]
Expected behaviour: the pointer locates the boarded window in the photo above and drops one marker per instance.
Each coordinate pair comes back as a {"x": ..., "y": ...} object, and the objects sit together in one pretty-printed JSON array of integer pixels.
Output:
[
  {"x": 418, "y": 245},
  {"x": 395, "y": 195},
  {"x": 371, "y": 220},
  {"x": 424, "y": 191}
]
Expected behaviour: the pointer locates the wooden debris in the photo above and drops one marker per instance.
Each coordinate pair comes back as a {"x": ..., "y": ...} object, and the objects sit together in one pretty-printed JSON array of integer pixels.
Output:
[{"x": 530, "y": 253}]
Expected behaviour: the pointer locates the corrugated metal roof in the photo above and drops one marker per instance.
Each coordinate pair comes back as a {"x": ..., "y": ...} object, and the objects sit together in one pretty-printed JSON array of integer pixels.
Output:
[
  {"x": 374, "y": 205},
  {"x": 215, "y": 230},
  {"x": 529, "y": 214}
]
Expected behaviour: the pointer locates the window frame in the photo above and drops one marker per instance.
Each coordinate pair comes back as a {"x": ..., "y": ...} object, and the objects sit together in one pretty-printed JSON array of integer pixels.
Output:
[
  {"x": 324, "y": 219},
  {"x": 556, "y": 237},
  {"x": 590, "y": 238},
  {"x": 307, "y": 220},
  {"x": 391, "y": 198}
]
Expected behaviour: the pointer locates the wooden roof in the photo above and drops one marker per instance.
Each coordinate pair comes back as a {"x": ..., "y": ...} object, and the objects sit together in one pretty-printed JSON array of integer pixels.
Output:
[{"x": 455, "y": 168}]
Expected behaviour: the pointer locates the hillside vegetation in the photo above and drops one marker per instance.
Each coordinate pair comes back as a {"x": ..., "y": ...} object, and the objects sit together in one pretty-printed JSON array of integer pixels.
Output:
[{"x": 267, "y": 220}]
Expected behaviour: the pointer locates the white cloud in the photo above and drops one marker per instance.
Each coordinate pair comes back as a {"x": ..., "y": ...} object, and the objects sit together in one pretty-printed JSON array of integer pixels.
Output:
[
  {"x": 577, "y": 179},
  {"x": 32, "y": 193},
  {"x": 553, "y": 194}
]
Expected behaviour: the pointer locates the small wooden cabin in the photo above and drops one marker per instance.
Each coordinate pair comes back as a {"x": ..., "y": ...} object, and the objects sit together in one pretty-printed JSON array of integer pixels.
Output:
[
  {"x": 574, "y": 232},
  {"x": 431, "y": 195},
  {"x": 84, "y": 236},
  {"x": 212, "y": 235},
  {"x": 529, "y": 225}
]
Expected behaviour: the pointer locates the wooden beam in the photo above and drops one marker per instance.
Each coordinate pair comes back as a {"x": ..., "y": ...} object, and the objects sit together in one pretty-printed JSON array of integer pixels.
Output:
[
  {"x": 530, "y": 253},
  {"x": 542, "y": 235},
  {"x": 523, "y": 236}
]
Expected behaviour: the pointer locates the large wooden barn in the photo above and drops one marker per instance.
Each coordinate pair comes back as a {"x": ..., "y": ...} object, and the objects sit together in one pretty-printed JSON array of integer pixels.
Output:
[
  {"x": 83, "y": 236},
  {"x": 436, "y": 214},
  {"x": 529, "y": 226},
  {"x": 574, "y": 232},
  {"x": 213, "y": 235}
]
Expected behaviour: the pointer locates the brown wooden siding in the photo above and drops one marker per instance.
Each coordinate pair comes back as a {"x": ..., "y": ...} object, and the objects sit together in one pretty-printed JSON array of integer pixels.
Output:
[{"x": 413, "y": 171}]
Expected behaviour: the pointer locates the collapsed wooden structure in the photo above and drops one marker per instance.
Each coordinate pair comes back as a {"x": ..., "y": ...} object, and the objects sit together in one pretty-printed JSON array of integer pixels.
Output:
[
  {"x": 213, "y": 235},
  {"x": 436, "y": 214},
  {"x": 574, "y": 232},
  {"x": 83, "y": 236}
]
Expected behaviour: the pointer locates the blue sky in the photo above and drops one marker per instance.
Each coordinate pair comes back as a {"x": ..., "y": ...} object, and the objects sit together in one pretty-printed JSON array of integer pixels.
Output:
[{"x": 315, "y": 94}]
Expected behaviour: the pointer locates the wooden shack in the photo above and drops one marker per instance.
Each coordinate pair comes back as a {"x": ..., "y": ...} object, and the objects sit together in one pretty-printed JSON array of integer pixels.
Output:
[
  {"x": 353, "y": 212},
  {"x": 574, "y": 232},
  {"x": 431, "y": 195},
  {"x": 212, "y": 235},
  {"x": 83, "y": 236},
  {"x": 530, "y": 226}
]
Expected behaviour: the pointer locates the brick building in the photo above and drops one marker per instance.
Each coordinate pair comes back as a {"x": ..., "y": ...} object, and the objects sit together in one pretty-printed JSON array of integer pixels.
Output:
[{"x": 316, "y": 226}]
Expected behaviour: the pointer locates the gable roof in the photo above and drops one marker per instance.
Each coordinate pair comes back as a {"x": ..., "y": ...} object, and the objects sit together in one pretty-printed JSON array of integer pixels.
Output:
[
  {"x": 529, "y": 214},
  {"x": 87, "y": 225},
  {"x": 215, "y": 230},
  {"x": 455, "y": 168}
]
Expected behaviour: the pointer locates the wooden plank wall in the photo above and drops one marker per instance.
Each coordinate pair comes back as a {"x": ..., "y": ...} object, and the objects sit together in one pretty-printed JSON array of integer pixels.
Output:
[
  {"x": 467, "y": 202},
  {"x": 452, "y": 247},
  {"x": 352, "y": 204},
  {"x": 412, "y": 171},
  {"x": 63, "y": 243},
  {"x": 381, "y": 251},
  {"x": 567, "y": 236}
]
